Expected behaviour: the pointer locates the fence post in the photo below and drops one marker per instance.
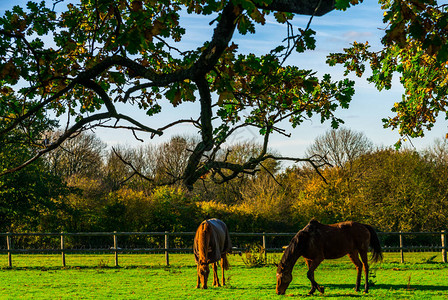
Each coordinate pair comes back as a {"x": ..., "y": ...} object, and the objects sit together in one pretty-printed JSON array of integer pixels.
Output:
[
  {"x": 116, "y": 248},
  {"x": 9, "y": 247},
  {"x": 401, "y": 247},
  {"x": 443, "y": 246},
  {"x": 167, "y": 246},
  {"x": 62, "y": 249},
  {"x": 264, "y": 246}
]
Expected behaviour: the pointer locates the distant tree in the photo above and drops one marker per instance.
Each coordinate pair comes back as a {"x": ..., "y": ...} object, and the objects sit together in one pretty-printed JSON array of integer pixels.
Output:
[
  {"x": 171, "y": 158},
  {"x": 392, "y": 190},
  {"x": 130, "y": 166},
  {"x": 156, "y": 164},
  {"x": 401, "y": 190},
  {"x": 116, "y": 172},
  {"x": 81, "y": 155},
  {"x": 340, "y": 146},
  {"x": 438, "y": 152}
]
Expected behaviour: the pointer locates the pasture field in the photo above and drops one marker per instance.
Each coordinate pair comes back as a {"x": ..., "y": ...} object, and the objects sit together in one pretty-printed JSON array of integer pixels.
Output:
[{"x": 144, "y": 276}]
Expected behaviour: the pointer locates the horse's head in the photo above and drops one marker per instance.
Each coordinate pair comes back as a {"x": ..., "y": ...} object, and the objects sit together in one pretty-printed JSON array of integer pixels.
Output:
[
  {"x": 295, "y": 249},
  {"x": 284, "y": 278},
  {"x": 203, "y": 272}
]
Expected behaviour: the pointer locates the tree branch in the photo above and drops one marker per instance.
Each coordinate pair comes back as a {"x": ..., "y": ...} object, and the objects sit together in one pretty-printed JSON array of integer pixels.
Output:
[
  {"x": 301, "y": 7},
  {"x": 131, "y": 166},
  {"x": 136, "y": 172},
  {"x": 111, "y": 108},
  {"x": 60, "y": 140},
  {"x": 194, "y": 122},
  {"x": 206, "y": 144}
]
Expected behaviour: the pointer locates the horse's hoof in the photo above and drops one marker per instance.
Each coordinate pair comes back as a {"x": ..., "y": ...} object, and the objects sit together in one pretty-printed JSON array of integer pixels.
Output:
[{"x": 321, "y": 289}]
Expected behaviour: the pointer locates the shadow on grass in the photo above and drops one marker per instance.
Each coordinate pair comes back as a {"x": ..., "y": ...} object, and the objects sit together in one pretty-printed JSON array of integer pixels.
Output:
[
  {"x": 347, "y": 290},
  {"x": 420, "y": 287},
  {"x": 387, "y": 287},
  {"x": 300, "y": 291}
]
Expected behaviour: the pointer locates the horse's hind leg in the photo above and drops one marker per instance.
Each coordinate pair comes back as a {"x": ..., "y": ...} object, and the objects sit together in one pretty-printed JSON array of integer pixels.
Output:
[
  {"x": 355, "y": 260},
  {"x": 222, "y": 269},
  {"x": 215, "y": 275},
  {"x": 365, "y": 263},
  {"x": 312, "y": 265}
]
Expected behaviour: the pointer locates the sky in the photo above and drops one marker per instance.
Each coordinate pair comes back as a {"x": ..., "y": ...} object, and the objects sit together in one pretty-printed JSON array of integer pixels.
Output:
[{"x": 334, "y": 31}]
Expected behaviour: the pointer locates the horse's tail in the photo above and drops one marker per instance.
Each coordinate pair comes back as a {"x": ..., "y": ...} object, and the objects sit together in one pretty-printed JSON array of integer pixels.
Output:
[
  {"x": 225, "y": 262},
  {"x": 203, "y": 241},
  {"x": 377, "y": 253}
]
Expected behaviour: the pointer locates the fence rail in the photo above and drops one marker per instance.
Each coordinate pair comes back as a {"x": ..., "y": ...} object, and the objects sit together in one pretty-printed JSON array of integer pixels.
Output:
[{"x": 402, "y": 248}]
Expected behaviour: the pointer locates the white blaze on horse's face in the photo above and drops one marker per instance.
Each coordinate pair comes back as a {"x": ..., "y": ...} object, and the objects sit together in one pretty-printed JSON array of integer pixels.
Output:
[{"x": 283, "y": 281}]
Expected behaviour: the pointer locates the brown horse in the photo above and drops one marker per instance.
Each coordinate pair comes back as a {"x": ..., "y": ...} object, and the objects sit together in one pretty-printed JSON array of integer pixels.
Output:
[
  {"x": 211, "y": 243},
  {"x": 316, "y": 242}
]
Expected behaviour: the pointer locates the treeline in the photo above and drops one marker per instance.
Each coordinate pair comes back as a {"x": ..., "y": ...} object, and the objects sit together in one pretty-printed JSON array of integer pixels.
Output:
[{"x": 82, "y": 186}]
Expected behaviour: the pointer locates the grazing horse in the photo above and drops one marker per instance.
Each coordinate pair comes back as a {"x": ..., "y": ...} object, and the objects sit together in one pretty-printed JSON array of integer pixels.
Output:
[
  {"x": 316, "y": 242},
  {"x": 211, "y": 243}
]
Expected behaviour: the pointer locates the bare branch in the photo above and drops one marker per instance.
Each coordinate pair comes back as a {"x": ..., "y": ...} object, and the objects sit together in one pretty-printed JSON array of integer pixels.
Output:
[
  {"x": 309, "y": 160},
  {"x": 135, "y": 89},
  {"x": 131, "y": 166},
  {"x": 303, "y": 7},
  {"x": 60, "y": 140},
  {"x": 272, "y": 175},
  {"x": 194, "y": 122},
  {"x": 138, "y": 124},
  {"x": 296, "y": 39},
  {"x": 136, "y": 137}
]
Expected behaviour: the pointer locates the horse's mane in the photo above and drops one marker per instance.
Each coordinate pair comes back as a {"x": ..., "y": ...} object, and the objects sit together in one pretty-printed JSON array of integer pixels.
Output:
[
  {"x": 203, "y": 241},
  {"x": 293, "y": 251},
  {"x": 304, "y": 238}
]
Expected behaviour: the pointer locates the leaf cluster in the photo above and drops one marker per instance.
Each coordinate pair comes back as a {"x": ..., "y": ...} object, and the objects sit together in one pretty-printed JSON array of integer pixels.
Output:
[{"x": 415, "y": 48}]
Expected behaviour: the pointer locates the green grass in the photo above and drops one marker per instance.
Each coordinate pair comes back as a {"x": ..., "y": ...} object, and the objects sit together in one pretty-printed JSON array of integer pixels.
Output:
[{"x": 144, "y": 276}]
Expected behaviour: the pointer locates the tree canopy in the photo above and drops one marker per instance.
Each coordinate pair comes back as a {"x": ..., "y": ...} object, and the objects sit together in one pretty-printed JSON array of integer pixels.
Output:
[{"x": 84, "y": 59}]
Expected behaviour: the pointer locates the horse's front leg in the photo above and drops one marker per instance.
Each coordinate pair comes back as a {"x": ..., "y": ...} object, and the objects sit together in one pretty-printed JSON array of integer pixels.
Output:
[
  {"x": 312, "y": 265},
  {"x": 215, "y": 274},
  {"x": 198, "y": 285},
  {"x": 310, "y": 275}
]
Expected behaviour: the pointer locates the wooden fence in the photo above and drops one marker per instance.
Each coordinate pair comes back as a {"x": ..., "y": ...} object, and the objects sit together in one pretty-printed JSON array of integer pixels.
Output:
[{"x": 10, "y": 249}]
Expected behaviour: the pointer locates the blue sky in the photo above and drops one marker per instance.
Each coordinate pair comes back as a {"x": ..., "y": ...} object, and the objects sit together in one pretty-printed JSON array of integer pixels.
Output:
[{"x": 335, "y": 31}]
